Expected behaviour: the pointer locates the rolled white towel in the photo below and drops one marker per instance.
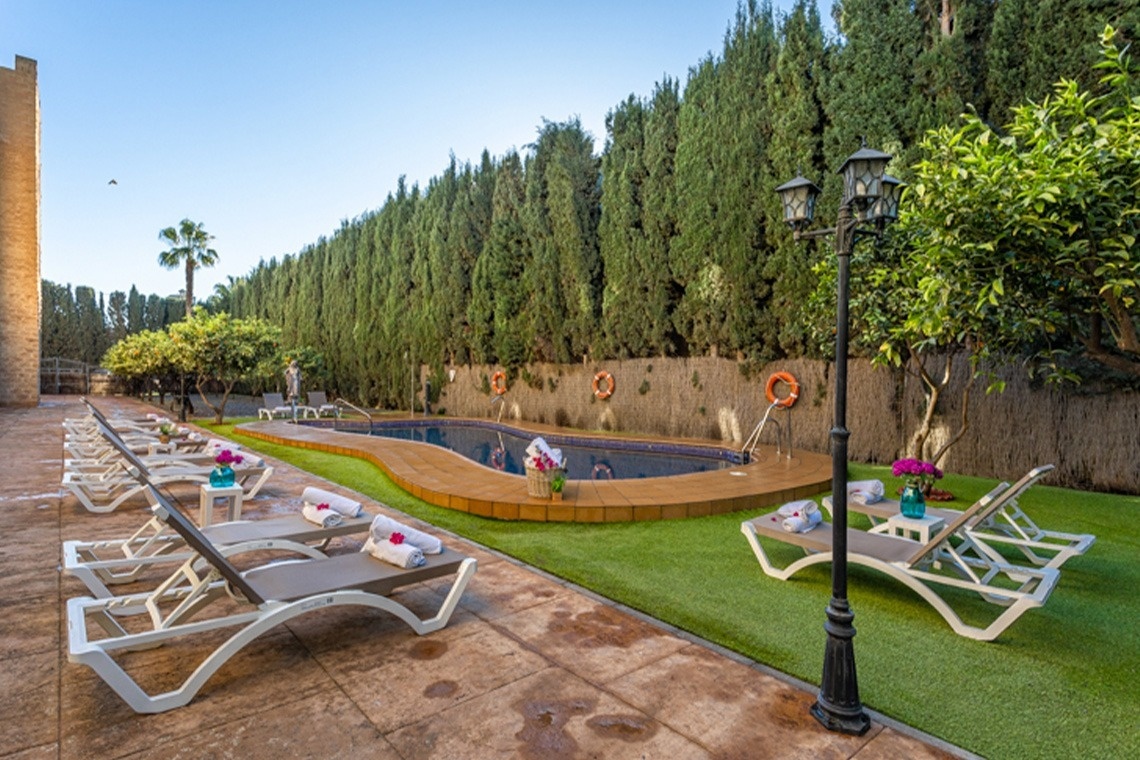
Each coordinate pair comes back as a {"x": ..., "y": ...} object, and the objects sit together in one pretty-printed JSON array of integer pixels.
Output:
[
  {"x": 215, "y": 445},
  {"x": 383, "y": 527},
  {"x": 803, "y": 523},
  {"x": 798, "y": 508},
  {"x": 341, "y": 504},
  {"x": 401, "y": 555},
  {"x": 865, "y": 491},
  {"x": 326, "y": 518}
]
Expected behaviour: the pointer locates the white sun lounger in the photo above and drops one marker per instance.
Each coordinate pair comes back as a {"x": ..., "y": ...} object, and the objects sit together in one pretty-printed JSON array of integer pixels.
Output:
[
  {"x": 1009, "y": 525},
  {"x": 950, "y": 559},
  {"x": 268, "y": 596},
  {"x": 102, "y": 564}
]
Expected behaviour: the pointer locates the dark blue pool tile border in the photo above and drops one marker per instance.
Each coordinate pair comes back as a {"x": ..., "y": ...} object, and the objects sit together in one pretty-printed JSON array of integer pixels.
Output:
[{"x": 596, "y": 442}]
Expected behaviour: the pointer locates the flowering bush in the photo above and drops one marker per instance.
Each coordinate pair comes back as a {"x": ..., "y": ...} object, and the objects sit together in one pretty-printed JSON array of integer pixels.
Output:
[
  {"x": 916, "y": 471},
  {"x": 226, "y": 457}
]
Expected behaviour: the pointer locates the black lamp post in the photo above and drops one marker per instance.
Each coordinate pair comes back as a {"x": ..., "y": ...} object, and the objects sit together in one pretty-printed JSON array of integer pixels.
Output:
[{"x": 870, "y": 198}]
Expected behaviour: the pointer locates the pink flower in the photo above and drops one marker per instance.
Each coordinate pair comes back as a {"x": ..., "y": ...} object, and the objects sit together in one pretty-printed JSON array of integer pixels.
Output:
[
  {"x": 916, "y": 469},
  {"x": 396, "y": 538},
  {"x": 225, "y": 456},
  {"x": 322, "y": 506}
]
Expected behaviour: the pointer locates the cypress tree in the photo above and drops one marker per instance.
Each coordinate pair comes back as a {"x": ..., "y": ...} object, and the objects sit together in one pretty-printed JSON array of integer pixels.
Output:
[
  {"x": 796, "y": 109},
  {"x": 498, "y": 295},
  {"x": 719, "y": 254},
  {"x": 563, "y": 199},
  {"x": 117, "y": 316},
  {"x": 136, "y": 308},
  {"x": 659, "y": 217},
  {"x": 621, "y": 232},
  {"x": 870, "y": 93}
]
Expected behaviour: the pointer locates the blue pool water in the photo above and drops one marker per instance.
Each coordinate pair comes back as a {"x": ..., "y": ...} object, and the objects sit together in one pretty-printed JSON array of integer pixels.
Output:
[{"x": 503, "y": 448}]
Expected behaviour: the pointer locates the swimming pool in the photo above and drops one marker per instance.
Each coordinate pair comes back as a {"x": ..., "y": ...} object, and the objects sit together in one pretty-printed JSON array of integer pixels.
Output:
[{"x": 503, "y": 448}]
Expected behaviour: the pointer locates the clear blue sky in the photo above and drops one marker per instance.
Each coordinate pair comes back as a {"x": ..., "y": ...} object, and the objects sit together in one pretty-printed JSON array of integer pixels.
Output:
[{"x": 271, "y": 121}]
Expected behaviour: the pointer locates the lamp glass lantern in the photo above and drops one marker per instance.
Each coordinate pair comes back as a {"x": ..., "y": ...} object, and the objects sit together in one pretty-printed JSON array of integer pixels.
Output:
[
  {"x": 863, "y": 176},
  {"x": 798, "y": 197},
  {"x": 885, "y": 208}
]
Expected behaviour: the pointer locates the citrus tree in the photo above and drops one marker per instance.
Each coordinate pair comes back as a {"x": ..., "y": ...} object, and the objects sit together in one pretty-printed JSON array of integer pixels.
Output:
[
  {"x": 143, "y": 358},
  {"x": 221, "y": 349},
  {"x": 1034, "y": 233},
  {"x": 1014, "y": 243}
]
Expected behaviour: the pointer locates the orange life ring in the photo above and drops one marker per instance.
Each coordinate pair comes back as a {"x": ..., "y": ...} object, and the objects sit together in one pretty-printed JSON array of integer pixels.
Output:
[
  {"x": 600, "y": 469},
  {"x": 770, "y": 391},
  {"x": 499, "y": 383},
  {"x": 609, "y": 390},
  {"x": 499, "y": 459}
]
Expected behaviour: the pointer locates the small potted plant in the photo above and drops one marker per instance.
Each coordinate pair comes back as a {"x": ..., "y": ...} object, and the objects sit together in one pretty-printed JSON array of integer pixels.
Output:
[
  {"x": 223, "y": 473},
  {"x": 165, "y": 430},
  {"x": 918, "y": 477},
  {"x": 557, "y": 483}
]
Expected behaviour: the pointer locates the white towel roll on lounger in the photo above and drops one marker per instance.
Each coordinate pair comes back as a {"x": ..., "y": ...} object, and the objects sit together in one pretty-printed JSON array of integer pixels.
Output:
[
  {"x": 341, "y": 504},
  {"x": 798, "y": 508},
  {"x": 865, "y": 491},
  {"x": 802, "y": 523},
  {"x": 401, "y": 555},
  {"x": 326, "y": 518},
  {"x": 383, "y": 527}
]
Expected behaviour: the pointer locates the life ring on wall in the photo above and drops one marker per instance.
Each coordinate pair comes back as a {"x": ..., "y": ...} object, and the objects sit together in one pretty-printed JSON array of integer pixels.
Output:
[
  {"x": 499, "y": 383},
  {"x": 601, "y": 469},
  {"x": 603, "y": 394},
  {"x": 499, "y": 459},
  {"x": 793, "y": 384}
]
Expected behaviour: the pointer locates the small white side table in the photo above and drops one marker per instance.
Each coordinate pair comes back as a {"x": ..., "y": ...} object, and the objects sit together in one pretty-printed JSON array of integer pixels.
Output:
[
  {"x": 916, "y": 528},
  {"x": 211, "y": 496}
]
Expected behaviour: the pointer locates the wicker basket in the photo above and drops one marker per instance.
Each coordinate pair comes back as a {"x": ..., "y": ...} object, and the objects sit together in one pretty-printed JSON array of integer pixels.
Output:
[{"x": 538, "y": 481}]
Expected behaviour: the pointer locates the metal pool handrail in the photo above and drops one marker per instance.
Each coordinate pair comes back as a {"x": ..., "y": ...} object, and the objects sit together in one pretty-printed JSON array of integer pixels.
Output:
[
  {"x": 748, "y": 449},
  {"x": 356, "y": 408}
]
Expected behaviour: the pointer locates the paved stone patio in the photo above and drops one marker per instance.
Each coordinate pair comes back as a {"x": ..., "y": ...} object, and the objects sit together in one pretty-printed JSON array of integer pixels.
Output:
[{"x": 529, "y": 667}]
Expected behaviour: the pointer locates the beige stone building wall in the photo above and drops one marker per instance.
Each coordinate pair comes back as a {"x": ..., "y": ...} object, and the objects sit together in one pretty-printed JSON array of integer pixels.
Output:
[{"x": 19, "y": 235}]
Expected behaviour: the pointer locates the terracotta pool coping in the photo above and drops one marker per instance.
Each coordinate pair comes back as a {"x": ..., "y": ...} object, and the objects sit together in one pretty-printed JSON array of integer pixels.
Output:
[{"x": 447, "y": 479}]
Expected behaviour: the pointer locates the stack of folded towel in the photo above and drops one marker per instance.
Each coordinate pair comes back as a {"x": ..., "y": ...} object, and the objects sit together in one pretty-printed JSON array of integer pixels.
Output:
[
  {"x": 799, "y": 516},
  {"x": 399, "y": 544},
  {"x": 326, "y": 508},
  {"x": 865, "y": 491}
]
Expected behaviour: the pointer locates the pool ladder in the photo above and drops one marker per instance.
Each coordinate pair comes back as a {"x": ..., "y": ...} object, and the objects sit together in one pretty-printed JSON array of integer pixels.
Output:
[
  {"x": 355, "y": 408},
  {"x": 502, "y": 405},
  {"x": 749, "y": 447}
]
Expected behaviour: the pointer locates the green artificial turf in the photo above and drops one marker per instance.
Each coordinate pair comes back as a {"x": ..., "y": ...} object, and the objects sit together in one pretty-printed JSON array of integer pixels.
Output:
[{"x": 1062, "y": 681}]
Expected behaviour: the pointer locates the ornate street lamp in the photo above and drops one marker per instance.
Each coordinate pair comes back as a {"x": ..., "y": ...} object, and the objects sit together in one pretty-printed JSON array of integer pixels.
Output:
[{"x": 870, "y": 199}]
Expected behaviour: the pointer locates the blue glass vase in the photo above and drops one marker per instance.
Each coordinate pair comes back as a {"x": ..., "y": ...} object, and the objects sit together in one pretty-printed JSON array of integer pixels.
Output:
[
  {"x": 912, "y": 503},
  {"x": 222, "y": 476}
]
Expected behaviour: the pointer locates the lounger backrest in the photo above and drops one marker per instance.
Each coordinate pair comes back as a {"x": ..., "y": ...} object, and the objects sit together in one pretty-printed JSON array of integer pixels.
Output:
[
  {"x": 317, "y": 399},
  {"x": 132, "y": 462},
  {"x": 169, "y": 514},
  {"x": 273, "y": 400},
  {"x": 982, "y": 508},
  {"x": 98, "y": 415}
]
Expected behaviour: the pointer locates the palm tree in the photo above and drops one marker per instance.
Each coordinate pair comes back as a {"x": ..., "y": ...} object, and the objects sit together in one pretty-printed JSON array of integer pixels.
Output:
[{"x": 187, "y": 247}]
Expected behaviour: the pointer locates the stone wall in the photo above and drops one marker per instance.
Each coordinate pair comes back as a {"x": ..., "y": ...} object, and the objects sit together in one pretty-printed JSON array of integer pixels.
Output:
[
  {"x": 19, "y": 234},
  {"x": 1092, "y": 438}
]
